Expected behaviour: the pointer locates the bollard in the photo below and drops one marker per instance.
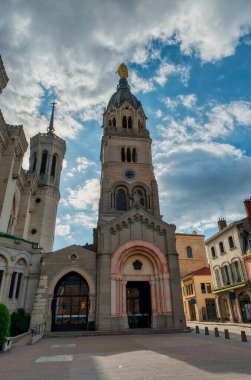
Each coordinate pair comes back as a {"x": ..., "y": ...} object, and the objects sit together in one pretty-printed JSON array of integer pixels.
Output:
[
  {"x": 206, "y": 331},
  {"x": 243, "y": 336},
  {"x": 216, "y": 332},
  {"x": 226, "y": 334},
  {"x": 197, "y": 330}
]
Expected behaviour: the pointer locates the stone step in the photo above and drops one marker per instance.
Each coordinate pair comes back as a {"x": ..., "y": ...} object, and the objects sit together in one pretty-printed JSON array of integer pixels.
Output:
[{"x": 73, "y": 334}]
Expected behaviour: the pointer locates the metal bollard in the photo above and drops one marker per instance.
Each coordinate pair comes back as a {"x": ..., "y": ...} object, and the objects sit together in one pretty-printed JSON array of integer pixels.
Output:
[
  {"x": 206, "y": 331},
  {"x": 197, "y": 330},
  {"x": 226, "y": 334},
  {"x": 243, "y": 336},
  {"x": 216, "y": 332}
]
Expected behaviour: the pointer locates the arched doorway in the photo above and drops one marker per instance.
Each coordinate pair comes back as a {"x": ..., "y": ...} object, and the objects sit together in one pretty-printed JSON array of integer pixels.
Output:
[
  {"x": 70, "y": 303},
  {"x": 225, "y": 314},
  {"x": 140, "y": 288},
  {"x": 245, "y": 307},
  {"x": 138, "y": 300}
]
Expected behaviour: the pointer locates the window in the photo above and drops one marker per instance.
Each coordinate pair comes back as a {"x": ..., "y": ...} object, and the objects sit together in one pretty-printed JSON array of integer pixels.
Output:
[
  {"x": 217, "y": 277},
  {"x": 221, "y": 245},
  {"x": 213, "y": 252},
  {"x": 238, "y": 271},
  {"x": 231, "y": 242},
  {"x": 209, "y": 289},
  {"x": 121, "y": 200},
  {"x": 203, "y": 287},
  {"x": 34, "y": 162},
  {"x": 189, "y": 252},
  {"x": 123, "y": 154},
  {"x": 18, "y": 285},
  {"x": 53, "y": 165},
  {"x": 1, "y": 276},
  {"x": 12, "y": 284},
  {"x": 225, "y": 275},
  {"x": 124, "y": 122},
  {"x": 134, "y": 155},
  {"x": 43, "y": 163},
  {"x": 130, "y": 122},
  {"x": 114, "y": 122},
  {"x": 128, "y": 156}
]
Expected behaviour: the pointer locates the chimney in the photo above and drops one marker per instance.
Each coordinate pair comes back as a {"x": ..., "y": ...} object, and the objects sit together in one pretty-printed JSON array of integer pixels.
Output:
[
  {"x": 222, "y": 223},
  {"x": 247, "y": 205}
]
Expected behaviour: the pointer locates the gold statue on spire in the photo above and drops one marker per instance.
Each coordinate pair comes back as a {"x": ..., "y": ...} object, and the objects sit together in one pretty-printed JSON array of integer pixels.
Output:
[{"x": 122, "y": 71}]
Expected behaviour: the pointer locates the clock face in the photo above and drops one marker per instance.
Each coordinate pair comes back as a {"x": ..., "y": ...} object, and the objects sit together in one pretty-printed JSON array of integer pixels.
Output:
[{"x": 129, "y": 174}]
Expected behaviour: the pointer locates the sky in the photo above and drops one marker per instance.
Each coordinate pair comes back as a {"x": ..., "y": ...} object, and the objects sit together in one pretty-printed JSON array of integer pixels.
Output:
[{"x": 189, "y": 65}]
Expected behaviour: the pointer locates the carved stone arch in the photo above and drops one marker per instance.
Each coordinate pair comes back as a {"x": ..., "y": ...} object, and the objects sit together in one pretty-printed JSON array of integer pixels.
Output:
[
  {"x": 52, "y": 284},
  {"x": 6, "y": 254},
  {"x": 154, "y": 269},
  {"x": 24, "y": 255}
]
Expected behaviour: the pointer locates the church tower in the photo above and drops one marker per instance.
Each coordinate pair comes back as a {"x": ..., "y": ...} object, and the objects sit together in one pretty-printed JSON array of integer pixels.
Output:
[
  {"x": 47, "y": 151},
  {"x": 138, "y": 279},
  {"x": 127, "y": 171}
]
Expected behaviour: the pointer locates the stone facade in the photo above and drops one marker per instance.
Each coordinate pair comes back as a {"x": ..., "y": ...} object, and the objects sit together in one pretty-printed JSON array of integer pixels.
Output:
[{"x": 131, "y": 270}]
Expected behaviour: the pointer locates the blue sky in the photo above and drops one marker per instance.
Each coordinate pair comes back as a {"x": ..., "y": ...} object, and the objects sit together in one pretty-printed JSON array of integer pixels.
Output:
[{"x": 189, "y": 65}]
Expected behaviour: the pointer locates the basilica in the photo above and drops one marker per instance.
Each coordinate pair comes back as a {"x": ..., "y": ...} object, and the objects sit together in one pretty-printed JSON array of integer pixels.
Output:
[{"x": 129, "y": 277}]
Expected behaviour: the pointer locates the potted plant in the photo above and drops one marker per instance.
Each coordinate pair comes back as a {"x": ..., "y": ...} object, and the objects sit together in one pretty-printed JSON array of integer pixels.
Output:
[{"x": 5, "y": 342}]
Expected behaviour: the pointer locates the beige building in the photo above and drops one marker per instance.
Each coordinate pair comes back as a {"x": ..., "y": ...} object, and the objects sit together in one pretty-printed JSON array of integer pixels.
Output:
[
  {"x": 28, "y": 204},
  {"x": 228, "y": 251},
  {"x": 198, "y": 299}
]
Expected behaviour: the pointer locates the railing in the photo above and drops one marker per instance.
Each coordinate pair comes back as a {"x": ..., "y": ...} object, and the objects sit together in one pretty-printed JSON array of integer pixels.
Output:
[{"x": 37, "y": 329}]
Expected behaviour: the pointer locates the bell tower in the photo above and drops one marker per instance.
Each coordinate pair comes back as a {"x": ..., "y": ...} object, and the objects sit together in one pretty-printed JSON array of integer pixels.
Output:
[
  {"x": 127, "y": 178},
  {"x": 47, "y": 151}
]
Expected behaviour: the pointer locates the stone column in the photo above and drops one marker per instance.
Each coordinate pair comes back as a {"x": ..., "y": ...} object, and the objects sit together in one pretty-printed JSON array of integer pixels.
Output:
[{"x": 113, "y": 297}]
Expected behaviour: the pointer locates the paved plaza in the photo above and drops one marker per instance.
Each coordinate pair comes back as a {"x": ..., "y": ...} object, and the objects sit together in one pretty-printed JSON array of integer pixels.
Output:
[{"x": 165, "y": 356}]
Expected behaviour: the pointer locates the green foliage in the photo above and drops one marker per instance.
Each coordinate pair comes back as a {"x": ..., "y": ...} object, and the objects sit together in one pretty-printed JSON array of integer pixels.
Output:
[
  {"x": 20, "y": 322},
  {"x": 4, "y": 323}
]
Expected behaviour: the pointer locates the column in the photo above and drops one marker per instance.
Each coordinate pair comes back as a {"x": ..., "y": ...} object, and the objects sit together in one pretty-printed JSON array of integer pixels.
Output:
[
  {"x": 124, "y": 312},
  {"x": 113, "y": 297}
]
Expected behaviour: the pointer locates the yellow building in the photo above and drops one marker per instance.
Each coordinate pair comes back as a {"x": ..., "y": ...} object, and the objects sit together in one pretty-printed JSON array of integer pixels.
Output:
[
  {"x": 199, "y": 302},
  {"x": 192, "y": 253}
]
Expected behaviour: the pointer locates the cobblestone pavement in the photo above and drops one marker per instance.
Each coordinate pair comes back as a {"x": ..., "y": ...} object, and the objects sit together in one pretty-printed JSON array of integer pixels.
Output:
[{"x": 143, "y": 357}]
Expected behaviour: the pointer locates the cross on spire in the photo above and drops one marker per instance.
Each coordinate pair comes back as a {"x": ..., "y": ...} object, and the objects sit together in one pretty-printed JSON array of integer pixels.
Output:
[{"x": 51, "y": 129}]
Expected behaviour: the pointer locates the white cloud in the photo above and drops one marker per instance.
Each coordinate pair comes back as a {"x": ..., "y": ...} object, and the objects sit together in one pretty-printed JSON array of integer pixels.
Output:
[
  {"x": 63, "y": 230},
  {"x": 166, "y": 70},
  {"x": 187, "y": 101},
  {"x": 85, "y": 196},
  {"x": 139, "y": 84}
]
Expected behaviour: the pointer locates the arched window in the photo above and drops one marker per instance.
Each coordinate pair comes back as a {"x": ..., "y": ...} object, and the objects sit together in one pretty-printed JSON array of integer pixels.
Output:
[
  {"x": 217, "y": 278},
  {"x": 70, "y": 303},
  {"x": 34, "y": 162},
  {"x": 124, "y": 122},
  {"x": 128, "y": 156},
  {"x": 121, "y": 200},
  {"x": 53, "y": 165},
  {"x": 134, "y": 155},
  {"x": 110, "y": 123},
  {"x": 189, "y": 252},
  {"x": 139, "y": 125},
  {"x": 43, "y": 163},
  {"x": 130, "y": 122},
  {"x": 114, "y": 122},
  {"x": 123, "y": 154}
]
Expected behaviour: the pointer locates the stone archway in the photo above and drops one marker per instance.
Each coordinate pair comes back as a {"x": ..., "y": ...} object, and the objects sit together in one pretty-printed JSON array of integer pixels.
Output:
[
  {"x": 140, "y": 261},
  {"x": 70, "y": 304}
]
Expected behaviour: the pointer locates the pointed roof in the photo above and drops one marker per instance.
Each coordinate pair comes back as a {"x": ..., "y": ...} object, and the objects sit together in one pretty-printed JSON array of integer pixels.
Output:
[
  {"x": 51, "y": 129},
  {"x": 205, "y": 271}
]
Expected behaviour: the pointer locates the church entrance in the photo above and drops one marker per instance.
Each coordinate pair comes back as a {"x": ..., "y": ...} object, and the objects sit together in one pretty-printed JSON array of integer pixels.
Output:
[
  {"x": 70, "y": 303},
  {"x": 138, "y": 302}
]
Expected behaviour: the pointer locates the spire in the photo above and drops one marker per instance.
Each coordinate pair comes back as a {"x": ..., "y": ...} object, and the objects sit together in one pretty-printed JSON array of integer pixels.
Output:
[{"x": 51, "y": 129}]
